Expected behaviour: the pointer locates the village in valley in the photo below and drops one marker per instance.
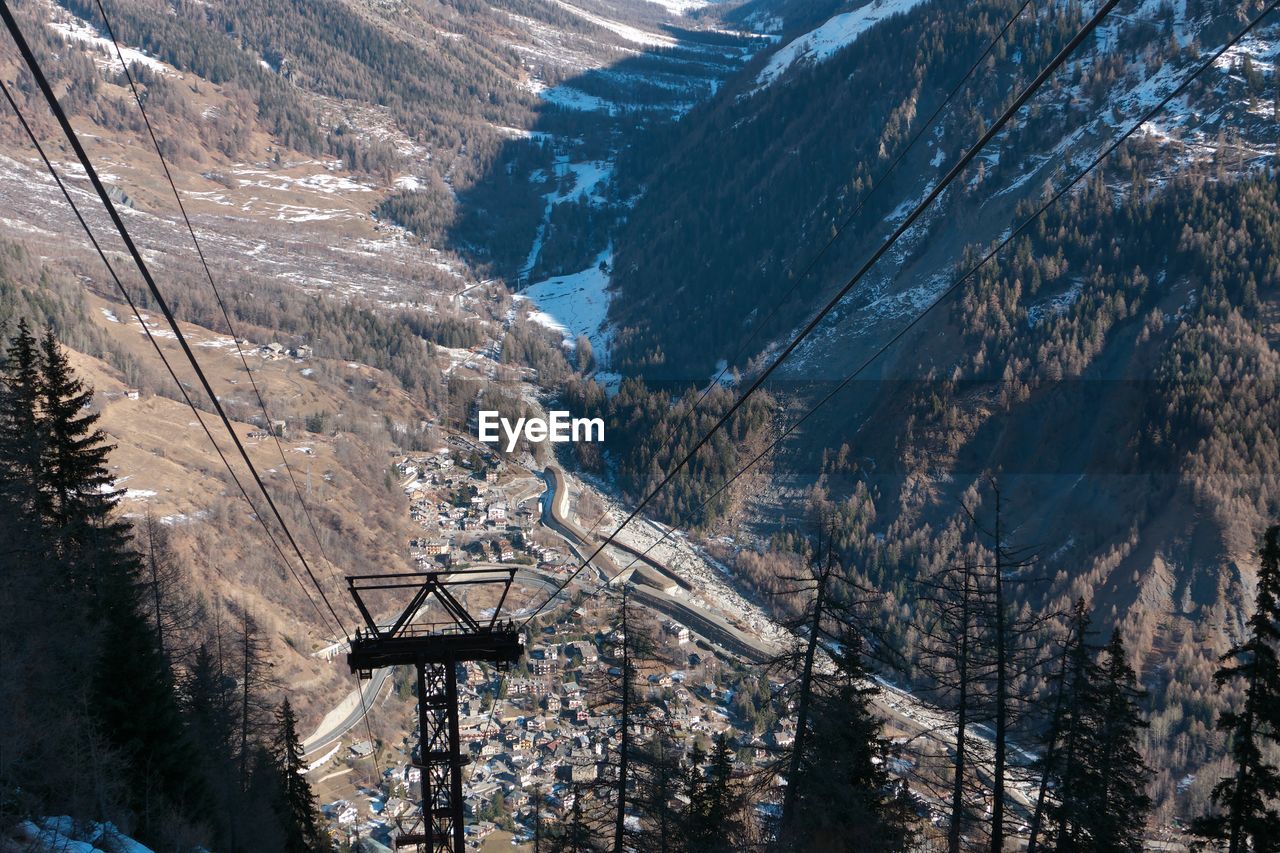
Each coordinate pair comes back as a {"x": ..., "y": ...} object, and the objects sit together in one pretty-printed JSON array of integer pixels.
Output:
[{"x": 542, "y": 729}]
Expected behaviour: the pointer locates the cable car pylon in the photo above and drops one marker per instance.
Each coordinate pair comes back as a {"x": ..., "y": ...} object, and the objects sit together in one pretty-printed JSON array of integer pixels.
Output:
[{"x": 435, "y": 649}]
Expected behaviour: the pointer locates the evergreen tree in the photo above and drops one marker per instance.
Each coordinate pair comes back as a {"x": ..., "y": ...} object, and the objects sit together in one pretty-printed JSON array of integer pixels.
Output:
[
  {"x": 1249, "y": 819},
  {"x": 298, "y": 812},
  {"x": 209, "y": 710},
  {"x": 21, "y": 439},
  {"x": 1100, "y": 775},
  {"x": 845, "y": 800},
  {"x": 126, "y": 682},
  {"x": 1119, "y": 821},
  {"x": 1063, "y": 703},
  {"x": 1065, "y": 763},
  {"x": 75, "y": 487},
  {"x": 714, "y": 821}
]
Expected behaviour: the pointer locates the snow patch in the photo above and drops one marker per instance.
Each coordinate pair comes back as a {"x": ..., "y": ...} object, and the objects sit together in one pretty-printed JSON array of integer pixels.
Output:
[
  {"x": 81, "y": 31},
  {"x": 576, "y": 304},
  {"x": 838, "y": 32},
  {"x": 680, "y": 7},
  {"x": 630, "y": 33}
]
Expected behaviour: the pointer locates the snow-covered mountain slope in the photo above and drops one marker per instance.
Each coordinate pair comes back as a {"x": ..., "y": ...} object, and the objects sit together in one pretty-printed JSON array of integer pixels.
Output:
[
  {"x": 765, "y": 172},
  {"x": 836, "y": 33}
]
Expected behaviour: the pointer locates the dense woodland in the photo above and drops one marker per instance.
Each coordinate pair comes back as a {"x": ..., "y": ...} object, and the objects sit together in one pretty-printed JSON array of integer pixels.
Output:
[
  {"x": 1125, "y": 700},
  {"x": 129, "y": 699},
  {"x": 651, "y": 428},
  {"x": 763, "y": 178}
]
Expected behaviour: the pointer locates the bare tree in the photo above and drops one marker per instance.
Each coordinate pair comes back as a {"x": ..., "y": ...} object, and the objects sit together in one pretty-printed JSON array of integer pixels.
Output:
[
  {"x": 254, "y": 681},
  {"x": 171, "y": 611},
  {"x": 948, "y": 628},
  {"x": 981, "y": 655},
  {"x": 620, "y": 694}
]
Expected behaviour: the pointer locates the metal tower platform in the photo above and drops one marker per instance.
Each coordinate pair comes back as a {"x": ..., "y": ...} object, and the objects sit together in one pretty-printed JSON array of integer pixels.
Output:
[{"x": 435, "y": 648}]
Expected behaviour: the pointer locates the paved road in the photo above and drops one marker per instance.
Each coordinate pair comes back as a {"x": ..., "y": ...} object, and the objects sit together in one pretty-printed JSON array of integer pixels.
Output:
[
  {"x": 896, "y": 703},
  {"x": 650, "y": 585},
  {"x": 555, "y": 515},
  {"x": 321, "y": 742}
]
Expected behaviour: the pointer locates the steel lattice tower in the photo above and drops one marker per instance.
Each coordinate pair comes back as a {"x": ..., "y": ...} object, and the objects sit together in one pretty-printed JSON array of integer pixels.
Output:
[{"x": 435, "y": 649}]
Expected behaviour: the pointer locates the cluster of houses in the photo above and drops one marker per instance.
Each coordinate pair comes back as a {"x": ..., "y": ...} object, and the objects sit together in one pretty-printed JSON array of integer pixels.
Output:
[
  {"x": 464, "y": 521},
  {"x": 543, "y": 733},
  {"x": 274, "y": 350}
]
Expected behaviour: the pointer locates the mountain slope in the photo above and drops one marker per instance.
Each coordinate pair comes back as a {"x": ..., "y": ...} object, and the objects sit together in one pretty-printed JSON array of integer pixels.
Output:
[{"x": 1115, "y": 368}]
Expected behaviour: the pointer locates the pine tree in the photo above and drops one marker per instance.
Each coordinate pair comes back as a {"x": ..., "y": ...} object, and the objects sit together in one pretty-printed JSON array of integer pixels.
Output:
[
  {"x": 1119, "y": 821},
  {"x": 74, "y": 483},
  {"x": 209, "y": 708},
  {"x": 1100, "y": 776},
  {"x": 845, "y": 800},
  {"x": 1064, "y": 761},
  {"x": 1250, "y": 820},
  {"x": 714, "y": 821},
  {"x": 133, "y": 696},
  {"x": 21, "y": 446},
  {"x": 19, "y": 407},
  {"x": 298, "y": 812}
]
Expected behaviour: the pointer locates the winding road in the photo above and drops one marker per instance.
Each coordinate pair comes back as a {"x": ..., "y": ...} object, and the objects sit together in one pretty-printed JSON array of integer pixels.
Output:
[{"x": 651, "y": 582}]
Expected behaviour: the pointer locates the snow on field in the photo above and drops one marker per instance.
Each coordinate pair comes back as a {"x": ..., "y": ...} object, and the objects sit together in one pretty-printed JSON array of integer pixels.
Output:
[
  {"x": 321, "y": 182},
  {"x": 542, "y": 318},
  {"x": 1055, "y": 305},
  {"x": 26, "y": 227},
  {"x": 78, "y": 30},
  {"x": 628, "y": 32},
  {"x": 66, "y": 836},
  {"x": 680, "y": 7},
  {"x": 157, "y": 330},
  {"x": 571, "y": 99},
  {"x": 576, "y": 304},
  {"x": 588, "y": 178},
  {"x": 840, "y": 31}
]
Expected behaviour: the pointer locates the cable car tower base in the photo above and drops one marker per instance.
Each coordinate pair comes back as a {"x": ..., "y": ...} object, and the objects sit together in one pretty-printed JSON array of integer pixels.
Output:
[{"x": 434, "y": 649}]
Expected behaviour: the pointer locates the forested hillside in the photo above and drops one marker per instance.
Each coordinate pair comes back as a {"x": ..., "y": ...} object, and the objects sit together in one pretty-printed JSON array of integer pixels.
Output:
[
  {"x": 117, "y": 687},
  {"x": 1114, "y": 368},
  {"x": 762, "y": 177}
]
